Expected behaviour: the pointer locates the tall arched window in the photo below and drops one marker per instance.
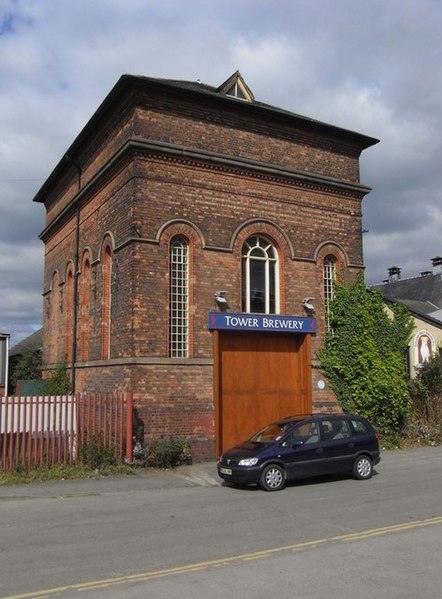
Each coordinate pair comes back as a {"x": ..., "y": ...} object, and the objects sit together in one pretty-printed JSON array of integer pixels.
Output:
[
  {"x": 106, "y": 301},
  {"x": 69, "y": 312},
  {"x": 85, "y": 301},
  {"x": 179, "y": 298},
  {"x": 54, "y": 320},
  {"x": 329, "y": 277},
  {"x": 260, "y": 277}
]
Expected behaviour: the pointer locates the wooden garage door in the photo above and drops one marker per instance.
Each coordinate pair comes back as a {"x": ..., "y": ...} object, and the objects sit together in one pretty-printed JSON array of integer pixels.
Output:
[{"x": 261, "y": 377}]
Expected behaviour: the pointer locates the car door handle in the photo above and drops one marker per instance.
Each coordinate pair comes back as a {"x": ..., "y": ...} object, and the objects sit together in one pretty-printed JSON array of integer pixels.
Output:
[
  {"x": 319, "y": 450},
  {"x": 351, "y": 445}
]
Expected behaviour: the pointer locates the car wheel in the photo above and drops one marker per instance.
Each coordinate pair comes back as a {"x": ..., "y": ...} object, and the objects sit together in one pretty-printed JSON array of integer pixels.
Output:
[
  {"x": 272, "y": 478},
  {"x": 363, "y": 468}
]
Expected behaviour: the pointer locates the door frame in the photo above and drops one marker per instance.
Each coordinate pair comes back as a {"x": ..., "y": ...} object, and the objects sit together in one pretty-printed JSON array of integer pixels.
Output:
[{"x": 217, "y": 376}]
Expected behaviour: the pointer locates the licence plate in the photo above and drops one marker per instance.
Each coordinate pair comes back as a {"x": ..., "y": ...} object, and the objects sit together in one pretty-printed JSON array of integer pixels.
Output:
[{"x": 225, "y": 470}]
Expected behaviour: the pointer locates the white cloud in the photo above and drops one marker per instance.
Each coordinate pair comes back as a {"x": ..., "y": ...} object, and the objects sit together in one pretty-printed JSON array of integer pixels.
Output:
[{"x": 373, "y": 67}]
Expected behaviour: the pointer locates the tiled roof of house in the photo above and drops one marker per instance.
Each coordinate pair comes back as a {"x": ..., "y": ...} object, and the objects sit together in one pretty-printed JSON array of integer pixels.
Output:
[
  {"x": 422, "y": 294},
  {"x": 34, "y": 340}
]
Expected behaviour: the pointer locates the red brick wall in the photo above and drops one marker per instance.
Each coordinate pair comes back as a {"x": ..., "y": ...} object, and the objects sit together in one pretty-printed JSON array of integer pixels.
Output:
[{"x": 147, "y": 197}]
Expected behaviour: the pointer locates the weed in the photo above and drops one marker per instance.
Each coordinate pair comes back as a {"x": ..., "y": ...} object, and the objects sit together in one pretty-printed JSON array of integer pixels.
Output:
[
  {"x": 167, "y": 453},
  {"x": 94, "y": 453}
]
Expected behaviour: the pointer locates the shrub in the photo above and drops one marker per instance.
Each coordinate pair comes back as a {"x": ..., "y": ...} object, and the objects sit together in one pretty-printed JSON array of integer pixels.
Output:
[
  {"x": 421, "y": 430},
  {"x": 167, "y": 453},
  {"x": 58, "y": 383},
  {"x": 425, "y": 422},
  {"x": 95, "y": 454}
]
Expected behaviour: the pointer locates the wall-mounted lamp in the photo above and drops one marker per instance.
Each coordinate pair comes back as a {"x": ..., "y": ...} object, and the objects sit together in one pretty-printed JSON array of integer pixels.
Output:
[
  {"x": 308, "y": 306},
  {"x": 220, "y": 298}
]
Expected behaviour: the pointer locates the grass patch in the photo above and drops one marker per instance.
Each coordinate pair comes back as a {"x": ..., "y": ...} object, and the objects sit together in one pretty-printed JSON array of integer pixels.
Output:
[{"x": 43, "y": 474}]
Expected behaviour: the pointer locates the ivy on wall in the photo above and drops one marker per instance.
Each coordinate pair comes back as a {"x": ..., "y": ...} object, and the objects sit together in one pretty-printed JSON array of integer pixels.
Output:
[{"x": 364, "y": 355}]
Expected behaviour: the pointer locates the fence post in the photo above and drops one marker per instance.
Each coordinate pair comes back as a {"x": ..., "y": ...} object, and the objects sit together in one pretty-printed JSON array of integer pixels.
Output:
[{"x": 129, "y": 432}]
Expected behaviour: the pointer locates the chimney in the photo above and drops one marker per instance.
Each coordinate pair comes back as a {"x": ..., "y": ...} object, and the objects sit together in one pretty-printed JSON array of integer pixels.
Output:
[
  {"x": 394, "y": 274},
  {"x": 437, "y": 265}
]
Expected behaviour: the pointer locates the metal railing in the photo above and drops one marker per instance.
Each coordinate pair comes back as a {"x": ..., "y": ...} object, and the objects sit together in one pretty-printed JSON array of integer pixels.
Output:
[{"x": 50, "y": 430}]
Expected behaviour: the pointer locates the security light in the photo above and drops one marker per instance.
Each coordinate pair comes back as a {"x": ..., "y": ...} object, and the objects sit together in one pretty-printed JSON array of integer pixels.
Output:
[
  {"x": 307, "y": 303},
  {"x": 220, "y": 297}
]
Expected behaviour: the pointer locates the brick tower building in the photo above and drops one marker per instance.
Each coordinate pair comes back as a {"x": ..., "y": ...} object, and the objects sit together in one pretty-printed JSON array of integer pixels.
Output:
[{"x": 192, "y": 238}]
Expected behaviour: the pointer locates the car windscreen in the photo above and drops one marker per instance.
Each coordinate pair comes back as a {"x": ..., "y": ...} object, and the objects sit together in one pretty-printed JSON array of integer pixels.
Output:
[{"x": 271, "y": 433}]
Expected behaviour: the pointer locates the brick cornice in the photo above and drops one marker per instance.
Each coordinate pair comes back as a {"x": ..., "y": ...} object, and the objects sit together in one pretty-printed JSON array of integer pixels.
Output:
[
  {"x": 211, "y": 161},
  {"x": 245, "y": 167}
]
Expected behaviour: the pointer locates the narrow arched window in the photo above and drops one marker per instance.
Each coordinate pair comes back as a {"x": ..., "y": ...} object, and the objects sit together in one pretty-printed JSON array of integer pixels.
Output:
[
  {"x": 260, "y": 277},
  {"x": 329, "y": 277},
  {"x": 106, "y": 302},
  {"x": 54, "y": 320},
  {"x": 69, "y": 312},
  {"x": 179, "y": 298},
  {"x": 85, "y": 301}
]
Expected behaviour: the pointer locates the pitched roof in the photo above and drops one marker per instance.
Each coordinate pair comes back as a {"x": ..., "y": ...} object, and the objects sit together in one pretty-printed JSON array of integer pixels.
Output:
[
  {"x": 242, "y": 98},
  {"x": 224, "y": 91},
  {"x": 34, "y": 340},
  {"x": 422, "y": 295}
]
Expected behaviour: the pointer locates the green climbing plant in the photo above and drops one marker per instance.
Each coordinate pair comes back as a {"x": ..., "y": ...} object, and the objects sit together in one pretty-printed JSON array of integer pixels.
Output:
[{"x": 364, "y": 355}]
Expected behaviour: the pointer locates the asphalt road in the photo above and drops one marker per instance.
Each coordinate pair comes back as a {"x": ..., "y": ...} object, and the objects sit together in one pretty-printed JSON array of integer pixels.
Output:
[{"x": 183, "y": 534}]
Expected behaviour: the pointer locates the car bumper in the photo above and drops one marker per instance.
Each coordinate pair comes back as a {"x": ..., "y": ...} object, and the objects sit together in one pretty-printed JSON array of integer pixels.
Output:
[{"x": 240, "y": 475}]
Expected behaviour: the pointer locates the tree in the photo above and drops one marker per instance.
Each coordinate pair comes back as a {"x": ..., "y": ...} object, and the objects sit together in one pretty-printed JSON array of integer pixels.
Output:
[
  {"x": 58, "y": 383},
  {"x": 364, "y": 355},
  {"x": 27, "y": 367}
]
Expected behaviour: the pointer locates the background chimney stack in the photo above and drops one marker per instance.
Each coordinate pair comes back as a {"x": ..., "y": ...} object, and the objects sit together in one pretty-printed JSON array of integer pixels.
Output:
[
  {"x": 394, "y": 273},
  {"x": 437, "y": 265}
]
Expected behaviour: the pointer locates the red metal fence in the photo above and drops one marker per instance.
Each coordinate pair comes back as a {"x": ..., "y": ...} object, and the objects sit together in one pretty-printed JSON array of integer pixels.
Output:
[{"x": 59, "y": 430}]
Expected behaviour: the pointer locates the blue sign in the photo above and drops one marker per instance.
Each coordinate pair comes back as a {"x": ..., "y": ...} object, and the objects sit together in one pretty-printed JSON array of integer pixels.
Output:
[{"x": 269, "y": 323}]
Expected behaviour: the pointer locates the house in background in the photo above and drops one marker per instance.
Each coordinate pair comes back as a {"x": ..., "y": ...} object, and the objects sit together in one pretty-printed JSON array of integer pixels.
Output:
[
  {"x": 33, "y": 341},
  {"x": 192, "y": 239},
  {"x": 423, "y": 297}
]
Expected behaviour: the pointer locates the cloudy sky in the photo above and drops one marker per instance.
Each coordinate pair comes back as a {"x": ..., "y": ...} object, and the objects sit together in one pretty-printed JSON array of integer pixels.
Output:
[{"x": 372, "y": 66}]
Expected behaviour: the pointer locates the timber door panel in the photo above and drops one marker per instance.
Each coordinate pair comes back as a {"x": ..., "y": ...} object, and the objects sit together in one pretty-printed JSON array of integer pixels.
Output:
[{"x": 262, "y": 377}]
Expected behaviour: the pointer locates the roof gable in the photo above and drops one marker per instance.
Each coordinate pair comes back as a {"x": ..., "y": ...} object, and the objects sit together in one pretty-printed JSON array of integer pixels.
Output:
[{"x": 236, "y": 87}]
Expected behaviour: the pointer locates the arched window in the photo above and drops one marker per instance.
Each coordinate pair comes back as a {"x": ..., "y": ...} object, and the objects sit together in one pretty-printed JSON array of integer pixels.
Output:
[
  {"x": 54, "y": 320},
  {"x": 179, "y": 298},
  {"x": 85, "y": 301},
  {"x": 69, "y": 312},
  {"x": 106, "y": 301},
  {"x": 329, "y": 277},
  {"x": 260, "y": 277}
]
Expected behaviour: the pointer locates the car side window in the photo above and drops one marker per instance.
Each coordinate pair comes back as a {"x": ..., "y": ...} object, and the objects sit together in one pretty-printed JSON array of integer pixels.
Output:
[
  {"x": 359, "y": 427},
  {"x": 327, "y": 430},
  {"x": 341, "y": 429},
  {"x": 336, "y": 428},
  {"x": 305, "y": 433}
]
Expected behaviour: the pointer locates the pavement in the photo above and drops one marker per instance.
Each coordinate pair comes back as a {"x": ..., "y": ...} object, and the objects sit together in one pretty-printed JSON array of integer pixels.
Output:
[{"x": 195, "y": 475}]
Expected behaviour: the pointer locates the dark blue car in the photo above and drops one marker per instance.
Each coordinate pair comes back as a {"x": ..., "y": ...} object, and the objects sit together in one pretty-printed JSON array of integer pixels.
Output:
[{"x": 303, "y": 446}]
